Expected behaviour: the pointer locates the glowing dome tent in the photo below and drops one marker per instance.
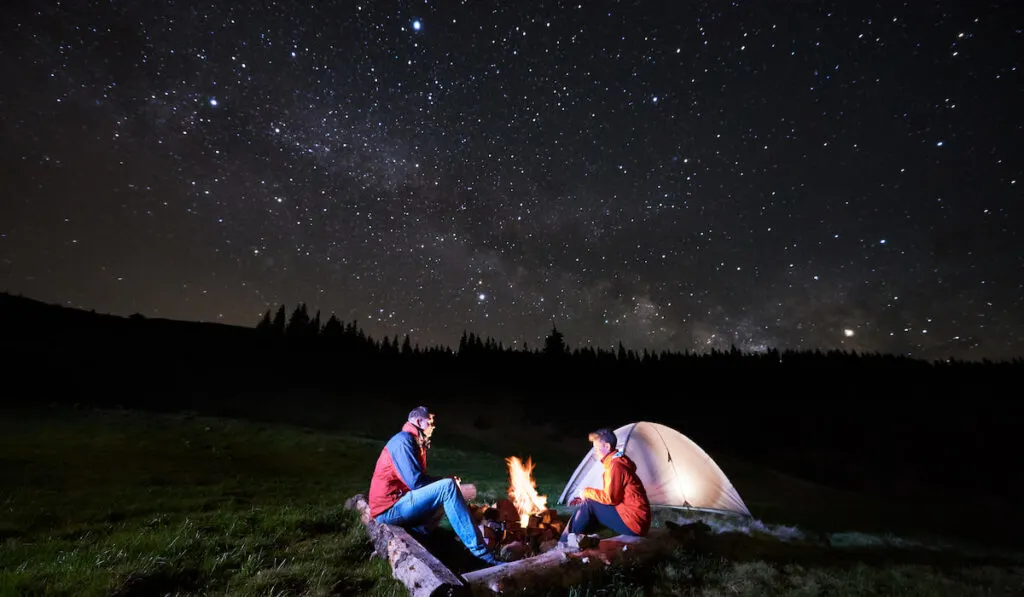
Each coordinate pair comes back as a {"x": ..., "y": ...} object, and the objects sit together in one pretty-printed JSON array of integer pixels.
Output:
[{"x": 675, "y": 471}]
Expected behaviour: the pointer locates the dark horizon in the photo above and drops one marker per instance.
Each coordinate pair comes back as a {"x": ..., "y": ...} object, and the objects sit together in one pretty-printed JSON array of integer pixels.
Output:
[
  {"x": 866, "y": 422},
  {"x": 24, "y": 313}
]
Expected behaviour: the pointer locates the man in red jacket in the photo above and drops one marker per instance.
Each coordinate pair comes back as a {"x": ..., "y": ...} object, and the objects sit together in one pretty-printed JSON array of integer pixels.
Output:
[
  {"x": 621, "y": 505},
  {"x": 403, "y": 494}
]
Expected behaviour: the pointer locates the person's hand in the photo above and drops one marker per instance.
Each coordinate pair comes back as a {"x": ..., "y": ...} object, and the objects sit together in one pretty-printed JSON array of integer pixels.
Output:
[{"x": 576, "y": 501}]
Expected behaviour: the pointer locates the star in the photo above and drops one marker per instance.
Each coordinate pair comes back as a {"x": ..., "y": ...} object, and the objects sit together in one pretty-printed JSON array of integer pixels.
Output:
[{"x": 720, "y": 179}]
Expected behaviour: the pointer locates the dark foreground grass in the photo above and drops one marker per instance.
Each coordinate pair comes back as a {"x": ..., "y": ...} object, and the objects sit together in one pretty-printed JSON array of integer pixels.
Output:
[
  {"x": 123, "y": 503},
  {"x": 118, "y": 503}
]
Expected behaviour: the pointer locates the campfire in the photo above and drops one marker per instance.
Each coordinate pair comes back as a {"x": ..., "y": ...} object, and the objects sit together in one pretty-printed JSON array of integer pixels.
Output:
[{"x": 522, "y": 525}]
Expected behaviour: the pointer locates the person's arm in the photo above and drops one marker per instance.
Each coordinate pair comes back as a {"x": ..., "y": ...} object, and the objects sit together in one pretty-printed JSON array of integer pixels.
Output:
[
  {"x": 593, "y": 493},
  {"x": 614, "y": 488},
  {"x": 406, "y": 458}
]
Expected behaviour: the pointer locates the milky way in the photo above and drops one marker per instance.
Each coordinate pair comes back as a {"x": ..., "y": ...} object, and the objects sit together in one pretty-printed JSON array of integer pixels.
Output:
[{"x": 760, "y": 174}]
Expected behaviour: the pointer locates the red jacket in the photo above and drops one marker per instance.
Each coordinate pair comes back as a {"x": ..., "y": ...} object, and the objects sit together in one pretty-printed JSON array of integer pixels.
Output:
[
  {"x": 402, "y": 466},
  {"x": 624, "y": 490}
]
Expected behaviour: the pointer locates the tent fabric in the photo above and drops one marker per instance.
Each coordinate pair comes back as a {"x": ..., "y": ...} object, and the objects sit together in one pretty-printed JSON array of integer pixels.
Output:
[{"x": 675, "y": 470}]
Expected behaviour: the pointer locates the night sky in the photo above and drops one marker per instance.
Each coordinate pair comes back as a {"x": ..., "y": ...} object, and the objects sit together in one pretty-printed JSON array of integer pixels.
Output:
[{"x": 795, "y": 175}]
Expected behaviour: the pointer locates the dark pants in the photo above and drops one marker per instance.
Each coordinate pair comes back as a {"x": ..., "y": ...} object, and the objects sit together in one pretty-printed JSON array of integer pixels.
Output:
[{"x": 591, "y": 516}]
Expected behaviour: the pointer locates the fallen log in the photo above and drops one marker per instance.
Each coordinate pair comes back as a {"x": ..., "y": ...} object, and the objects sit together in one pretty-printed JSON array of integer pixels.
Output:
[
  {"x": 411, "y": 564},
  {"x": 557, "y": 568}
]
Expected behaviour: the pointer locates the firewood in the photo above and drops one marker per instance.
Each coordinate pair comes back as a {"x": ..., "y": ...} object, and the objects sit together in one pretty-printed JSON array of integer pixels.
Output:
[
  {"x": 507, "y": 511},
  {"x": 490, "y": 535}
]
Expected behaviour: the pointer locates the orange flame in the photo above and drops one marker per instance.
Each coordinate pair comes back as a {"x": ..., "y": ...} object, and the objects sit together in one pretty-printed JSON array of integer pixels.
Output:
[{"x": 523, "y": 490}]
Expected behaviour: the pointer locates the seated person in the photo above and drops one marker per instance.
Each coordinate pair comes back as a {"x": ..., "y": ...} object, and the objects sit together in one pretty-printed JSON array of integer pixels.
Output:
[
  {"x": 402, "y": 494},
  {"x": 621, "y": 505}
]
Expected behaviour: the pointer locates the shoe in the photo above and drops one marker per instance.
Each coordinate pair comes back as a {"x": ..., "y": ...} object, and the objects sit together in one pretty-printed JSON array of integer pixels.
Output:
[
  {"x": 564, "y": 546},
  {"x": 579, "y": 541}
]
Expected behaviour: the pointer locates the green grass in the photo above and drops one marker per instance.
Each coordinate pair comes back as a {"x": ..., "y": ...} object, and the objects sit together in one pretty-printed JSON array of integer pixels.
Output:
[
  {"x": 123, "y": 503},
  {"x": 131, "y": 504}
]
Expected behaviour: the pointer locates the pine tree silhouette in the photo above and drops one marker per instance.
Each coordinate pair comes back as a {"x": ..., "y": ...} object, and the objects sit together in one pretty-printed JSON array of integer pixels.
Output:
[
  {"x": 279, "y": 321},
  {"x": 265, "y": 323},
  {"x": 298, "y": 324},
  {"x": 554, "y": 344}
]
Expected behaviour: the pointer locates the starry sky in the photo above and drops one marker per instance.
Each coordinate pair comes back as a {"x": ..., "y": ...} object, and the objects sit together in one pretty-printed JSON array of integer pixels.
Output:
[{"x": 674, "y": 176}]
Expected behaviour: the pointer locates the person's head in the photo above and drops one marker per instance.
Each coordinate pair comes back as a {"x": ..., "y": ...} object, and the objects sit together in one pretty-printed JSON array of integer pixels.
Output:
[
  {"x": 423, "y": 419},
  {"x": 604, "y": 442}
]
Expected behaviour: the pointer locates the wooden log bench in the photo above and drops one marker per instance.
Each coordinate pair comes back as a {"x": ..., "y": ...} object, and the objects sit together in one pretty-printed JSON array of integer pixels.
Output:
[
  {"x": 411, "y": 564},
  {"x": 426, "y": 576}
]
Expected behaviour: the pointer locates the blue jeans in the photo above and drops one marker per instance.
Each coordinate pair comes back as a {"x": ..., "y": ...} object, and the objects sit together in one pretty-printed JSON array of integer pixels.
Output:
[
  {"x": 420, "y": 510},
  {"x": 591, "y": 515}
]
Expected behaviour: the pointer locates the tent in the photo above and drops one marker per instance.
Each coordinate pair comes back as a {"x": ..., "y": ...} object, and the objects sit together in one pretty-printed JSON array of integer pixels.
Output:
[{"x": 675, "y": 471}]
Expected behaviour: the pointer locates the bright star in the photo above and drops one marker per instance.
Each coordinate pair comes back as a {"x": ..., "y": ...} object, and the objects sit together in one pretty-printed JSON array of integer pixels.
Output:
[
  {"x": 213, "y": 101},
  {"x": 848, "y": 333},
  {"x": 416, "y": 25}
]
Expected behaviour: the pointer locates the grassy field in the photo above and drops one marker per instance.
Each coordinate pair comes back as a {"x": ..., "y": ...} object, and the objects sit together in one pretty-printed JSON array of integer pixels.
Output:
[{"x": 126, "y": 503}]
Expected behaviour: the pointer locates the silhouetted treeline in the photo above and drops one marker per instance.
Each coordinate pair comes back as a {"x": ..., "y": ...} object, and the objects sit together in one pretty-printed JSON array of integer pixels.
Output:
[
  {"x": 296, "y": 349},
  {"x": 830, "y": 415},
  {"x": 34, "y": 326},
  {"x": 300, "y": 331}
]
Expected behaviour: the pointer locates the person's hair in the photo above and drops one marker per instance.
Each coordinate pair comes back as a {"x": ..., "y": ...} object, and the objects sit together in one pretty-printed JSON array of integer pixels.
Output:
[
  {"x": 420, "y": 412},
  {"x": 606, "y": 435}
]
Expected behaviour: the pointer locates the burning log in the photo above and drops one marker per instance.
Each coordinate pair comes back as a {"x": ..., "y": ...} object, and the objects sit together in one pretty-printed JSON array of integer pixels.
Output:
[
  {"x": 525, "y": 517},
  {"x": 415, "y": 567},
  {"x": 507, "y": 511},
  {"x": 502, "y": 527}
]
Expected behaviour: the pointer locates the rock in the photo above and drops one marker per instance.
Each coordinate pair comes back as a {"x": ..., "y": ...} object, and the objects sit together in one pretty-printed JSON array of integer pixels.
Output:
[{"x": 514, "y": 551}]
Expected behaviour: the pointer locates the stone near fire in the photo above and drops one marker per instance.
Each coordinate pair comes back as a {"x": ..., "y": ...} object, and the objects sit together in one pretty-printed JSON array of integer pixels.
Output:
[
  {"x": 546, "y": 546},
  {"x": 514, "y": 551}
]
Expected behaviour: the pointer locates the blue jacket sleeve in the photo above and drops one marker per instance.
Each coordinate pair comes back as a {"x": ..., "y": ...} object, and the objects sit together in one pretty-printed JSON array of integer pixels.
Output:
[{"x": 405, "y": 456}]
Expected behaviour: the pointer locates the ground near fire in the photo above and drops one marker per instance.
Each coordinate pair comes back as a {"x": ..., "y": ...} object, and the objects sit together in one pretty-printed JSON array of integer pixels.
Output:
[{"x": 120, "y": 502}]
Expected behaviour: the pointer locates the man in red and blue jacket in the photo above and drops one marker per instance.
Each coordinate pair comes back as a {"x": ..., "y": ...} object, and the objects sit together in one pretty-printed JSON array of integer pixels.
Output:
[{"x": 403, "y": 494}]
